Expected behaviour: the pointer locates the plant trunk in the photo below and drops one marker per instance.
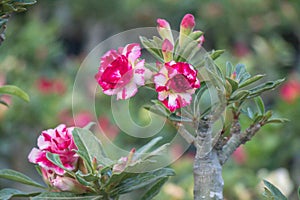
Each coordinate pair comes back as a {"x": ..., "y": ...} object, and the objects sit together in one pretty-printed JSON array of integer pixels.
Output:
[{"x": 208, "y": 181}]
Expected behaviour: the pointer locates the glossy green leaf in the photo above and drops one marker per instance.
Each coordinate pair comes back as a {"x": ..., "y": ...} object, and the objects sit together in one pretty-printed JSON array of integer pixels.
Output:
[
  {"x": 8, "y": 193},
  {"x": 89, "y": 147},
  {"x": 141, "y": 180},
  {"x": 277, "y": 120},
  {"x": 216, "y": 54},
  {"x": 18, "y": 177},
  {"x": 239, "y": 96},
  {"x": 256, "y": 91},
  {"x": 260, "y": 104},
  {"x": 251, "y": 80},
  {"x": 154, "y": 189},
  {"x": 65, "y": 196},
  {"x": 233, "y": 83},
  {"x": 274, "y": 191},
  {"x": 14, "y": 90}
]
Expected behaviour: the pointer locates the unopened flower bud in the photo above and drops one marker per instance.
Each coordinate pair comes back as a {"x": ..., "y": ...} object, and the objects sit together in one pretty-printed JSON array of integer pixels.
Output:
[
  {"x": 68, "y": 184},
  {"x": 186, "y": 27},
  {"x": 164, "y": 30},
  {"x": 167, "y": 50}
]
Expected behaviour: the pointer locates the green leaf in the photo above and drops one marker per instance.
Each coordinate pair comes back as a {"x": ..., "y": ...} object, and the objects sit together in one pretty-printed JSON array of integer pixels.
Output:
[
  {"x": 24, "y": 2},
  {"x": 250, "y": 113},
  {"x": 141, "y": 180},
  {"x": 8, "y": 193},
  {"x": 89, "y": 147},
  {"x": 216, "y": 54},
  {"x": 55, "y": 159},
  {"x": 256, "y": 91},
  {"x": 277, "y": 120},
  {"x": 251, "y": 80},
  {"x": 89, "y": 125},
  {"x": 152, "y": 48},
  {"x": 18, "y": 177},
  {"x": 155, "y": 189},
  {"x": 229, "y": 69},
  {"x": 233, "y": 84},
  {"x": 238, "y": 96},
  {"x": 4, "y": 103},
  {"x": 65, "y": 196},
  {"x": 146, "y": 147},
  {"x": 299, "y": 192},
  {"x": 176, "y": 118},
  {"x": 274, "y": 191},
  {"x": 158, "y": 108},
  {"x": 260, "y": 105},
  {"x": 14, "y": 90},
  {"x": 241, "y": 73}
]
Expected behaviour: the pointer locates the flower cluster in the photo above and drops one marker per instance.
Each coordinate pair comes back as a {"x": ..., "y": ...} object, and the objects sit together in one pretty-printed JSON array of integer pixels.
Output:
[{"x": 121, "y": 72}]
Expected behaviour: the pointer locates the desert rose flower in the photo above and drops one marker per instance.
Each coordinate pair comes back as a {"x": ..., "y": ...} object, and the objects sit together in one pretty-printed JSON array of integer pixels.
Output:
[
  {"x": 175, "y": 84},
  {"x": 121, "y": 72},
  {"x": 58, "y": 141},
  {"x": 164, "y": 30}
]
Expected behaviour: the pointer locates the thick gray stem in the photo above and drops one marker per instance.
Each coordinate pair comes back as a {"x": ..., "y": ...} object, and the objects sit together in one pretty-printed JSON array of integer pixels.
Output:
[{"x": 208, "y": 181}]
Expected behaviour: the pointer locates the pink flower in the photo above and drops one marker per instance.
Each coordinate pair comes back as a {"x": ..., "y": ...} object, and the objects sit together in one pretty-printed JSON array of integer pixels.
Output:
[
  {"x": 164, "y": 30},
  {"x": 175, "y": 84},
  {"x": 58, "y": 141},
  {"x": 121, "y": 72},
  {"x": 290, "y": 91}
]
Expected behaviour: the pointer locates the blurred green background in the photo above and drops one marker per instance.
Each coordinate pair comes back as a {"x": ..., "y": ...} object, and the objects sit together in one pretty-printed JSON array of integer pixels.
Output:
[{"x": 46, "y": 45}]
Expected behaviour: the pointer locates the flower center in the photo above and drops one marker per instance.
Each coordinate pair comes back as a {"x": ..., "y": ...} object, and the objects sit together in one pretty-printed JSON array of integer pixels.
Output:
[{"x": 179, "y": 83}]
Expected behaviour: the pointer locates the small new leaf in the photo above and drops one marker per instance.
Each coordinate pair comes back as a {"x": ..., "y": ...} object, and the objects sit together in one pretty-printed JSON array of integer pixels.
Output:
[
  {"x": 260, "y": 105},
  {"x": 216, "y": 54}
]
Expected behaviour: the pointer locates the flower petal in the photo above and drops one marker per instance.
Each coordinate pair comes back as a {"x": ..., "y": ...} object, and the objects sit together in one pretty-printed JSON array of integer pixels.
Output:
[{"x": 128, "y": 91}]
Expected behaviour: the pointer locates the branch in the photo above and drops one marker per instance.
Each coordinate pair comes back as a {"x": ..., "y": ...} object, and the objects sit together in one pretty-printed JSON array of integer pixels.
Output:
[
  {"x": 184, "y": 133},
  {"x": 237, "y": 139}
]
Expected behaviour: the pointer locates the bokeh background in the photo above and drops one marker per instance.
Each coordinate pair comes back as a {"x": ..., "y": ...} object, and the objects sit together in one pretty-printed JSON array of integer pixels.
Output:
[{"x": 46, "y": 45}]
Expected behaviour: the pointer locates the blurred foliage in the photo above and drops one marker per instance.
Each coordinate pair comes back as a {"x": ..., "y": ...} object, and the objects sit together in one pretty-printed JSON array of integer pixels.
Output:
[{"x": 44, "y": 48}]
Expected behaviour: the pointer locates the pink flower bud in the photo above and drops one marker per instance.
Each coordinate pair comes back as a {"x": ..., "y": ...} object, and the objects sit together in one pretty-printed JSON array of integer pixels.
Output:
[
  {"x": 186, "y": 27},
  {"x": 164, "y": 30},
  {"x": 68, "y": 184},
  {"x": 167, "y": 50},
  {"x": 188, "y": 22}
]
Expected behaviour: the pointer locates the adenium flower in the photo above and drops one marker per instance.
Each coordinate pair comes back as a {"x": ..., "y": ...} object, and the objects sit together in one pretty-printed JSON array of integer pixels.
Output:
[
  {"x": 175, "y": 84},
  {"x": 58, "y": 141},
  {"x": 120, "y": 72}
]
